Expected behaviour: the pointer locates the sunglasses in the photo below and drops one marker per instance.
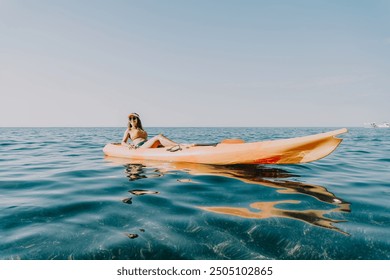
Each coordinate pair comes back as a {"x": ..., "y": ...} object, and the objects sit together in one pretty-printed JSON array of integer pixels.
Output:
[{"x": 133, "y": 118}]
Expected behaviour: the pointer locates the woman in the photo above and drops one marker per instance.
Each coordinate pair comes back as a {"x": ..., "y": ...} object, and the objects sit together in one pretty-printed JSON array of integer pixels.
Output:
[{"x": 139, "y": 136}]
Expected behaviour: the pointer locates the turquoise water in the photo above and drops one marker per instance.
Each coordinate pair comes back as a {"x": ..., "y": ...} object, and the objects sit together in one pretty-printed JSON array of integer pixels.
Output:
[{"x": 60, "y": 198}]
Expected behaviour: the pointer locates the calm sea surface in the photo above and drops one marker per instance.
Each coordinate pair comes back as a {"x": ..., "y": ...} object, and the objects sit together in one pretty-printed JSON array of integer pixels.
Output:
[{"x": 60, "y": 198}]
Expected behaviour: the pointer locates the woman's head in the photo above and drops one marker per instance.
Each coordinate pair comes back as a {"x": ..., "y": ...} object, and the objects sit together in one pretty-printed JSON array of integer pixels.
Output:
[{"x": 134, "y": 121}]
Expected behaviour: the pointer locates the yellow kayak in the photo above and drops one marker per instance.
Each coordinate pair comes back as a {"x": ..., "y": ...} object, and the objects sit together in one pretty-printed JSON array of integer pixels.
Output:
[{"x": 283, "y": 151}]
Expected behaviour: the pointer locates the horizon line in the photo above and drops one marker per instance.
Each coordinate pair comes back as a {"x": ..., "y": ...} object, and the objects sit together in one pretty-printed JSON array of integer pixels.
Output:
[{"x": 331, "y": 126}]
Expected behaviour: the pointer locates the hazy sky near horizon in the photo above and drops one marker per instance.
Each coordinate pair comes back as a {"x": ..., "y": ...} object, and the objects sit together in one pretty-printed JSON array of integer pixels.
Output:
[{"x": 194, "y": 63}]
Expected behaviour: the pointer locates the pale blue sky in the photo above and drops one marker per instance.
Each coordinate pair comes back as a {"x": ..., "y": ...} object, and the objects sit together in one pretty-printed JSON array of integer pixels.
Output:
[{"x": 194, "y": 63}]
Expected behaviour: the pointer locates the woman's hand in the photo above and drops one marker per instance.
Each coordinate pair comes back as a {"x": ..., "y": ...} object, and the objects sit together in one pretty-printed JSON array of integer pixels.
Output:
[{"x": 130, "y": 146}]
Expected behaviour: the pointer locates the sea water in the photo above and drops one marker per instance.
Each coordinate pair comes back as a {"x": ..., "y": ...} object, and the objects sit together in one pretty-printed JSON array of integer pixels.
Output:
[{"x": 61, "y": 198}]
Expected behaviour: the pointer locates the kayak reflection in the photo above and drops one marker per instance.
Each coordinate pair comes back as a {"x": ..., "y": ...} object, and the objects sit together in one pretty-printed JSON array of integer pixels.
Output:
[
  {"x": 136, "y": 171},
  {"x": 272, "y": 209},
  {"x": 276, "y": 178}
]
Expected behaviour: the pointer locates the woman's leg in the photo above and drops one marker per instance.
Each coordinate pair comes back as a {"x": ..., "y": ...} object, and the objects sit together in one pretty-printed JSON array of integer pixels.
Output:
[{"x": 158, "y": 140}]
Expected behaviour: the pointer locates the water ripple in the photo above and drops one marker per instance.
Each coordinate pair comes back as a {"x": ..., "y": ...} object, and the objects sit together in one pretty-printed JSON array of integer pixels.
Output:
[{"x": 61, "y": 199}]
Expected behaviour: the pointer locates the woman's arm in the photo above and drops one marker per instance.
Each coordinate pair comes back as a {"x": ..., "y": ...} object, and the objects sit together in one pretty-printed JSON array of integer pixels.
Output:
[{"x": 125, "y": 137}]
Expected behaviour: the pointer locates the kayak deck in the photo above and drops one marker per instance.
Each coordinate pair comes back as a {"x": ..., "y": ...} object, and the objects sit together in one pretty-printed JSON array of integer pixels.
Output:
[{"x": 283, "y": 151}]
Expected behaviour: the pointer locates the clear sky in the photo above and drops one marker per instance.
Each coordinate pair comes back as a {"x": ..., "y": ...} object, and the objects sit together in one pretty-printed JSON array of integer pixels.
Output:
[{"x": 194, "y": 63}]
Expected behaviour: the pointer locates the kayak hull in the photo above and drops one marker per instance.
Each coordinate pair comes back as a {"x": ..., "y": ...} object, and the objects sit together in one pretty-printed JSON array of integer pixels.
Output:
[{"x": 283, "y": 151}]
